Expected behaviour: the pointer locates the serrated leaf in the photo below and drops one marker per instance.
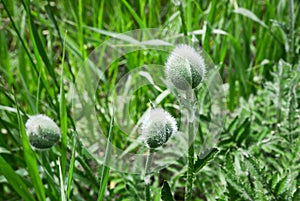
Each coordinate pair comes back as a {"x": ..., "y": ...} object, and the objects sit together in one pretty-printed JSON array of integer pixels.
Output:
[
  {"x": 236, "y": 184},
  {"x": 201, "y": 162},
  {"x": 166, "y": 194}
]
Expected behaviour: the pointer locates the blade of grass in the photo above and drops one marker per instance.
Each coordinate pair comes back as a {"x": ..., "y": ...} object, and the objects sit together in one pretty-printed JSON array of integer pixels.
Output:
[
  {"x": 61, "y": 179},
  {"x": 31, "y": 161},
  {"x": 22, "y": 74},
  {"x": 33, "y": 64},
  {"x": 52, "y": 190},
  {"x": 184, "y": 27},
  {"x": 52, "y": 17},
  {"x": 105, "y": 168},
  {"x": 39, "y": 44},
  {"x": 134, "y": 15},
  {"x": 18, "y": 34},
  {"x": 80, "y": 29},
  {"x": 209, "y": 28},
  {"x": 63, "y": 116},
  {"x": 100, "y": 15},
  {"x": 15, "y": 181},
  {"x": 247, "y": 13},
  {"x": 72, "y": 165}
]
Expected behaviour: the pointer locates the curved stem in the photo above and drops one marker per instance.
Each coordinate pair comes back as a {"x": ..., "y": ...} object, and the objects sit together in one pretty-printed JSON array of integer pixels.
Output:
[{"x": 147, "y": 174}]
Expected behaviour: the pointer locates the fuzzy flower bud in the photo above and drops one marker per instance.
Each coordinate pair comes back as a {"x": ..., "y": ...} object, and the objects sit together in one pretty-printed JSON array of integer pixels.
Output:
[
  {"x": 185, "y": 68},
  {"x": 42, "y": 131},
  {"x": 158, "y": 127}
]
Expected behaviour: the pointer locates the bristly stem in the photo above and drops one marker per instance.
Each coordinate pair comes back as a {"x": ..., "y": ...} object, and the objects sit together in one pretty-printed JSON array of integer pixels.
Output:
[
  {"x": 190, "y": 171},
  {"x": 191, "y": 130},
  {"x": 147, "y": 174}
]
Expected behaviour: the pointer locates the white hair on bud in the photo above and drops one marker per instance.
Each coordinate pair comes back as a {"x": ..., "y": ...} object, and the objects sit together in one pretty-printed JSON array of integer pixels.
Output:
[
  {"x": 42, "y": 131},
  {"x": 185, "y": 68},
  {"x": 158, "y": 127}
]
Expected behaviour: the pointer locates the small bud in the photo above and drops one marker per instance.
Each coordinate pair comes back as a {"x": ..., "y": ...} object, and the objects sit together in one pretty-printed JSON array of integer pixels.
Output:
[
  {"x": 42, "y": 131},
  {"x": 158, "y": 127},
  {"x": 185, "y": 68}
]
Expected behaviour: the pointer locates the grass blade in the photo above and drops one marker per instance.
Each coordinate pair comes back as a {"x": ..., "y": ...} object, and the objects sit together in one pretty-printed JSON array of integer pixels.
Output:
[
  {"x": 31, "y": 161},
  {"x": 105, "y": 168},
  {"x": 15, "y": 181},
  {"x": 52, "y": 17},
  {"x": 39, "y": 45},
  {"x": 134, "y": 15},
  {"x": 63, "y": 117},
  {"x": 72, "y": 165},
  {"x": 61, "y": 179},
  {"x": 247, "y": 13}
]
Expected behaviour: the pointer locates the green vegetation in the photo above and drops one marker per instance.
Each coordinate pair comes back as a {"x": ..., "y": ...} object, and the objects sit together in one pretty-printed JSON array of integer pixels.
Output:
[{"x": 255, "y": 47}]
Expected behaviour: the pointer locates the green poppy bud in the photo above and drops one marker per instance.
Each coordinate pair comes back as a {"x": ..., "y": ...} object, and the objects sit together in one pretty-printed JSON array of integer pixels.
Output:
[
  {"x": 42, "y": 131},
  {"x": 158, "y": 127},
  {"x": 185, "y": 68}
]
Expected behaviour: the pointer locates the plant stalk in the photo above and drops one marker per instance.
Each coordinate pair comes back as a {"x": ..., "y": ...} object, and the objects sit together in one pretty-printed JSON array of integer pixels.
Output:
[
  {"x": 148, "y": 175},
  {"x": 190, "y": 171},
  {"x": 191, "y": 130}
]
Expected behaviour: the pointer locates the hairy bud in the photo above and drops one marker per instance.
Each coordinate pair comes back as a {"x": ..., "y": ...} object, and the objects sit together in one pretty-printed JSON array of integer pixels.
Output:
[
  {"x": 42, "y": 131},
  {"x": 185, "y": 68},
  {"x": 158, "y": 127}
]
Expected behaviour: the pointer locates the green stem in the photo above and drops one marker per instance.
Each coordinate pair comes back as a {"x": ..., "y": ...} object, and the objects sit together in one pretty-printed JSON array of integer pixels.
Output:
[
  {"x": 147, "y": 174},
  {"x": 190, "y": 171},
  {"x": 191, "y": 130}
]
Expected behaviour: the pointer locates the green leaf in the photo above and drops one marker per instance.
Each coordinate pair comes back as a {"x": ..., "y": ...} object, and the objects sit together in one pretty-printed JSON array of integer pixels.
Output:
[
  {"x": 201, "y": 162},
  {"x": 14, "y": 180},
  {"x": 166, "y": 194}
]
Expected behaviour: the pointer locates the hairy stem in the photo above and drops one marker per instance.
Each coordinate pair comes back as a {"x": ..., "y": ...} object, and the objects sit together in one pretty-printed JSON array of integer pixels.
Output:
[
  {"x": 191, "y": 130},
  {"x": 147, "y": 174},
  {"x": 190, "y": 172}
]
